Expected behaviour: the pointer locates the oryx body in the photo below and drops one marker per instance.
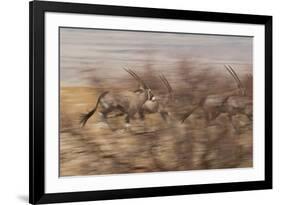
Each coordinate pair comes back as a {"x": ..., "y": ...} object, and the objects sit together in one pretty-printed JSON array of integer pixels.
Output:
[{"x": 128, "y": 102}]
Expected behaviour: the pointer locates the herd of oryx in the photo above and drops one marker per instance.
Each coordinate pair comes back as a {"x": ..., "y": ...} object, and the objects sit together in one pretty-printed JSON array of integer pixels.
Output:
[{"x": 142, "y": 101}]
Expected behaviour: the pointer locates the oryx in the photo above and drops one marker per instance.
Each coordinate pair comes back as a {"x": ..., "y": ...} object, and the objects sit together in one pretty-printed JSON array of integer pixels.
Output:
[
  {"x": 232, "y": 102},
  {"x": 128, "y": 102}
]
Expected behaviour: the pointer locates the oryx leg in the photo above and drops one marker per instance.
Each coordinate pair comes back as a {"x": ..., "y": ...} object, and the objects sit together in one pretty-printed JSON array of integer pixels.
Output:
[
  {"x": 142, "y": 118},
  {"x": 127, "y": 120},
  {"x": 103, "y": 113},
  {"x": 211, "y": 115},
  {"x": 141, "y": 114},
  {"x": 206, "y": 114},
  {"x": 230, "y": 115},
  {"x": 130, "y": 115},
  {"x": 164, "y": 115}
]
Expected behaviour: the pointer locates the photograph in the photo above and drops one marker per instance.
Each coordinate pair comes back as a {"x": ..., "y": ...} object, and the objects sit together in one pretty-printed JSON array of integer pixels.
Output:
[{"x": 133, "y": 101}]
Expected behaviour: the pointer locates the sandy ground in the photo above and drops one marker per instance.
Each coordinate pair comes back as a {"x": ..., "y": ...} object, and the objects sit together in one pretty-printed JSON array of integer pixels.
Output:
[{"x": 149, "y": 146}]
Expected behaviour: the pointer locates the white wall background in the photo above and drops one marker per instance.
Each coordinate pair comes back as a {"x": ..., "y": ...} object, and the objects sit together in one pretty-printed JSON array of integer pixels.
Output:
[{"x": 14, "y": 100}]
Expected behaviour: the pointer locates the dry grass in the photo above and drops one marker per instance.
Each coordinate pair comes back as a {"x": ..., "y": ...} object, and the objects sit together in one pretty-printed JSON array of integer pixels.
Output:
[{"x": 152, "y": 145}]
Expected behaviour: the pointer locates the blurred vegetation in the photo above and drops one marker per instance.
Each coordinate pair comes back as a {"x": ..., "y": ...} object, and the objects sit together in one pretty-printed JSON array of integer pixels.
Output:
[{"x": 154, "y": 145}]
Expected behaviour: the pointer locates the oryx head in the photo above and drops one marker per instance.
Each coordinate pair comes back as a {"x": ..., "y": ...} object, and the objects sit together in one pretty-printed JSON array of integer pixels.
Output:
[
  {"x": 240, "y": 86},
  {"x": 143, "y": 88}
]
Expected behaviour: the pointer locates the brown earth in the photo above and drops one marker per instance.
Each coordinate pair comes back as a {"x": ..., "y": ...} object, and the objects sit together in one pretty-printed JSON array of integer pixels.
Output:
[{"x": 149, "y": 146}]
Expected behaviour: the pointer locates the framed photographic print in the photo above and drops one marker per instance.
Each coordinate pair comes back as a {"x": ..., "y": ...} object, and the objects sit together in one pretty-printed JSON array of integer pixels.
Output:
[{"x": 140, "y": 102}]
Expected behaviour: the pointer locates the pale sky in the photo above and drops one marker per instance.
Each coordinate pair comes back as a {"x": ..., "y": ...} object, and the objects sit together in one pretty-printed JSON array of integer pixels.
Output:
[{"x": 104, "y": 53}]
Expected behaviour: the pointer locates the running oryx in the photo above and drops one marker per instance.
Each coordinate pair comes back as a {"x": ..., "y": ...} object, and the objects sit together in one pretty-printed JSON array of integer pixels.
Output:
[
  {"x": 128, "y": 102},
  {"x": 232, "y": 102}
]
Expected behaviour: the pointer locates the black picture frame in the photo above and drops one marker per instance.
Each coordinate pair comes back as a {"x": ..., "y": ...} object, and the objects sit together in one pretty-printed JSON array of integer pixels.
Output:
[{"x": 37, "y": 9}]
